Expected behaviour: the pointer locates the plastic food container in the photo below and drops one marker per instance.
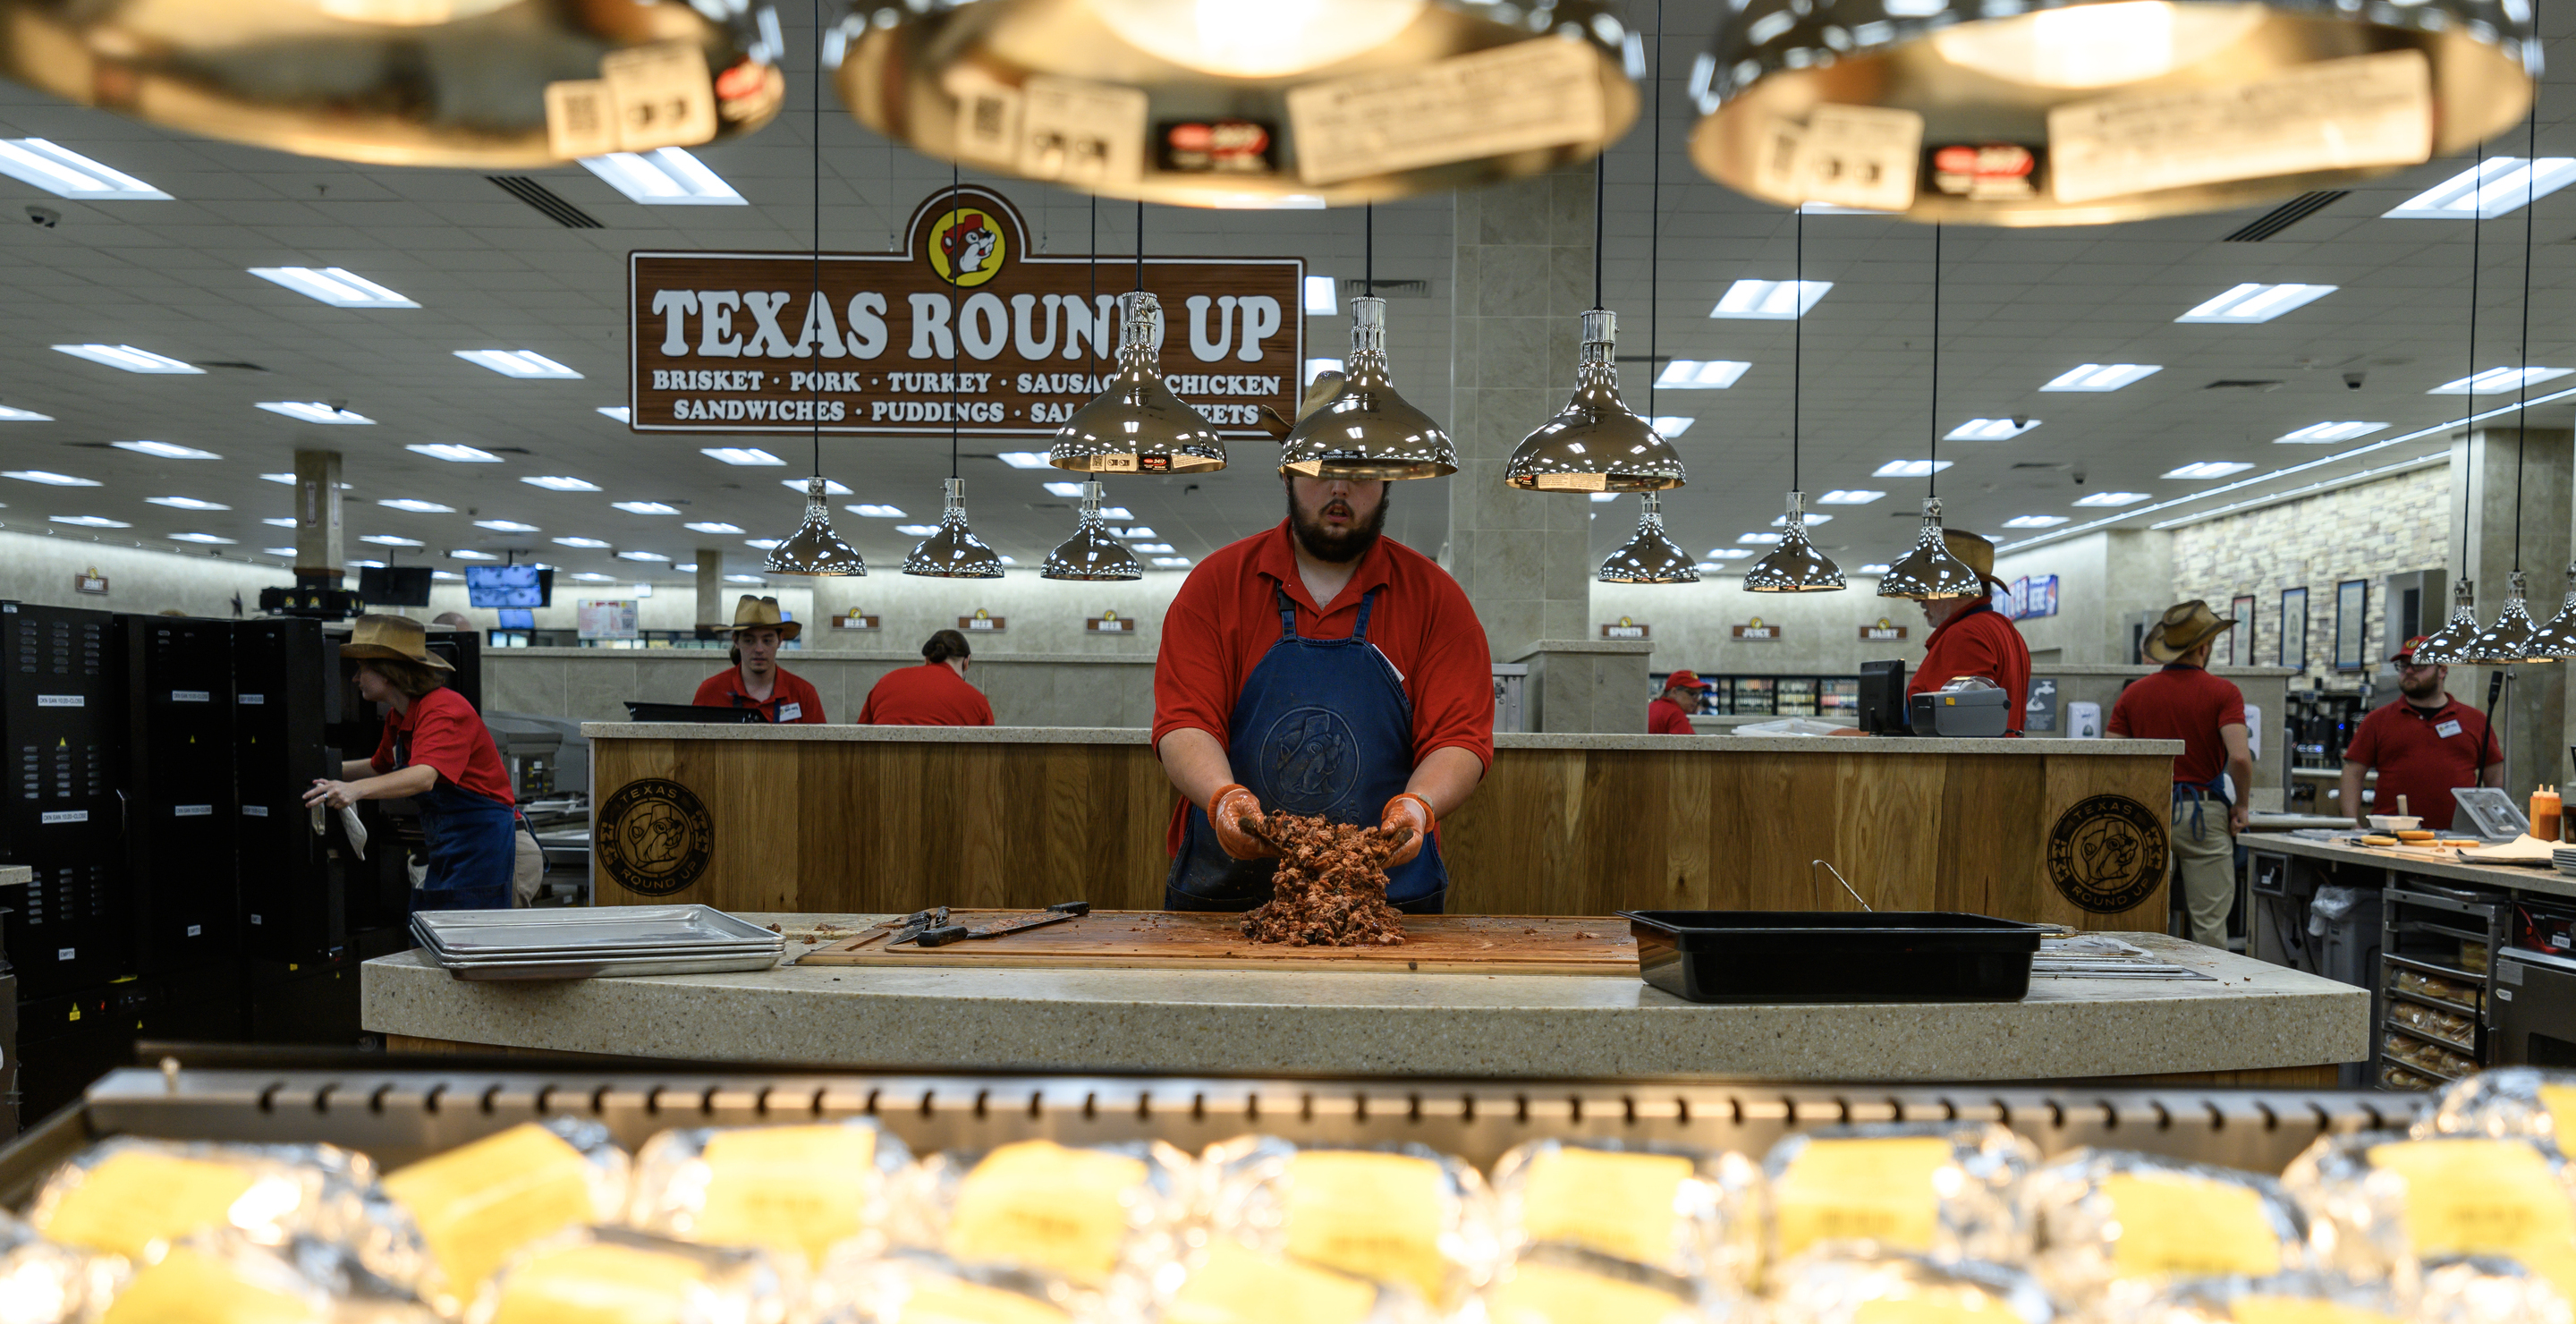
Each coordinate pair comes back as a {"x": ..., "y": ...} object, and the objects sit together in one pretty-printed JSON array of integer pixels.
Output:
[
  {"x": 1834, "y": 955},
  {"x": 2396, "y": 822}
]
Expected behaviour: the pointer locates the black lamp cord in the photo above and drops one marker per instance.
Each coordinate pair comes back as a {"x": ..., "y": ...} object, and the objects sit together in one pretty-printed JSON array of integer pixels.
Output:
[
  {"x": 1095, "y": 287},
  {"x": 1932, "y": 480},
  {"x": 1797, "y": 343},
  {"x": 1600, "y": 188},
  {"x": 1368, "y": 249},
  {"x": 2469, "y": 388},
  {"x": 818, "y": 205},
  {"x": 2522, "y": 411},
  {"x": 957, "y": 331},
  {"x": 1655, "y": 226},
  {"x": 1140, "y": 243}
]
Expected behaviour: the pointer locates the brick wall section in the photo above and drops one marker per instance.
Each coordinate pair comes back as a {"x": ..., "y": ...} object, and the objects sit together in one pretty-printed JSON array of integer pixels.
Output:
[{"x": 2360, "y": 532}]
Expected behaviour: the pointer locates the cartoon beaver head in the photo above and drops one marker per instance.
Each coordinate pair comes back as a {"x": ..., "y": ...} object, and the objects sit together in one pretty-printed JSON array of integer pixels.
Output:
[{"x": 967, "y": 244}]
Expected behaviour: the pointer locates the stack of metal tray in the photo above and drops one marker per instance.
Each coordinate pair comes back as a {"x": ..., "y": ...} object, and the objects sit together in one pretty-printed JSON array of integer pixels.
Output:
[{"x": 593, "y": 944}]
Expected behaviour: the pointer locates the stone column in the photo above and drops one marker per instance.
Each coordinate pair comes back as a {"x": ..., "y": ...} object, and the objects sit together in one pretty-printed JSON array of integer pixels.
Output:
[
  {"x": 317, "y": 517},
  {"x": 2532, "y": 722},
  {"x": 711, "y": 597}
]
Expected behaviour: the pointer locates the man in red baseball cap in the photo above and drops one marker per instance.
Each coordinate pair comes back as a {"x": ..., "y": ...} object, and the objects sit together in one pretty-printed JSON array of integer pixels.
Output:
[
  {"x": 1669, "y": 714},
  {"x": 2425, "y": 745}
]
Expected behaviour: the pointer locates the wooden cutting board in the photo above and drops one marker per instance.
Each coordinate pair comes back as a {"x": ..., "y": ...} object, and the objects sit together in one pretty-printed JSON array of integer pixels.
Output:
[{"x": 1182, "y": 940}]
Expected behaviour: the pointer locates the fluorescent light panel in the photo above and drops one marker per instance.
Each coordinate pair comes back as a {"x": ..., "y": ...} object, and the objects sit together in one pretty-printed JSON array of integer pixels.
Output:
[
  {"x": 315, "y": 411},
  {"x": 745, "y": 579},
  {"x": 1171, "y": 562},
  {"x": 2208, "y": 469},
  {"x": 186, "y": 503},
  {"x": 1150, "y": 547},
  {"x": 617, "y": 412},
  {"x": 2497, "y": 381},
  {"x": 916, "y": 530},
  {"x": 2111, "y": 499},
  {"x": 505, "y": 526},
  {"x": 711, "y": 526},
  {"x": 1317, "y": 367},
  {"x": 469, "y": 554},
  {"x": 129, "y": 359},
  {"x": 1813, "y": 518},
  {"x": 517, "y": 363},
  {"x": 1770, "y": 300},
  {"x": 665, "y": 177},
  {"x": 594, "y": 577},
  {"x": 1849, "y": 496},
  {"x": 1064, "y": 489},
  {"x": 165, "y": 450},
  {"x": 831, "y": 486},
  {"x": 48, "y": 477},
  {"x": 641, "y": 556},
  {"x": 95, "y": 522},
  {"x": 336, "y": 286},
  {"x": 1322, "y": 299},
  {"x": 201, "y": 538},
  {"x": 578, "y": 542},
  {"x": 1759, "y": 539},
  {"x": 417, "y": 506},
  {"x": 1700, "y": 375},
  {"x": 560, "y": 483},
  {"x": 390, "y": 540},
  {"x": 644, "y": 507},
  {"x": 2256, "y": 303},
  {"x": 873, "y": 511},
  {"x": 1669, "y": 426},
  {"x": 2489, "y": 189},
  {"x": 1728, "y": 554},
  {"x": 739, "y": 455},
  {"x": 67, "y": 174},
  {"x": 2101, "y": 376},
  {"x": 279, "y": 521},
  {"x": 454, "y": 452},
  {"x": 1909, "y": 468},
  {"x": 2034, "y": 521},
  {"x": 1023, "y": 459},
  {"x": 11, "y": 414},
  {"x": 1989, "y": 429},
  {"x": 2320, "y": 434}
]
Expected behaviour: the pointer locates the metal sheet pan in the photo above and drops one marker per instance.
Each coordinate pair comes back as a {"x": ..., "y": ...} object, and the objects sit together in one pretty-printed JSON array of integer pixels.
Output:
[
  {"x": 570, "y": 931},
  {"x": 596, "y": 968},
  {"x": 445, "y": 955}
]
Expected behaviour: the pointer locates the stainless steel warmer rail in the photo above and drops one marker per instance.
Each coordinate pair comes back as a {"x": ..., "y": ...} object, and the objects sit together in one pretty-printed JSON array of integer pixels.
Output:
[{"x": 401, "y": 1114}]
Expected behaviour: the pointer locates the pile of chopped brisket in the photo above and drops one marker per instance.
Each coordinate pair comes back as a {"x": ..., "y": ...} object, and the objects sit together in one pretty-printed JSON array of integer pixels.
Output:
[{"x": 1330, "y": 890}]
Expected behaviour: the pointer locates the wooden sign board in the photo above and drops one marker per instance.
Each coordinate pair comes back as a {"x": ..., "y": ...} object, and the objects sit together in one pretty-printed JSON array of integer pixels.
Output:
[
  {"x": 968, "y": 324},
  {"x": 855, "y": 622},
  {"x": 1111, "y": 624},
  {"x": 90, "y": 582},
  {"x": 981, "y": 623},
  {"x": 1755, "y": 632},
  {"x": 1885, "y": 631},
  {"x": 1625, "y": 630}
]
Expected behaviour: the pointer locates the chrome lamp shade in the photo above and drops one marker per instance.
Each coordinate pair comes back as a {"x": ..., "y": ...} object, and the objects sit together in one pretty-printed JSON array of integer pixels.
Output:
[
  {"x": 1794, "y": 566},
  {"x": 2557, "y": 637},
  {"x": 478, "y": 84},
  {"x": 1136, "y": 424},
  {"x": 1596, "y": 443},
  {"x": 2450, "y": 644},
  {"x": 2513, "y": 638},
  {"x": 814, "y": 549},
  {"x": 1931, "y": 570},
  {"x": 1091, "y": 554},
  {"x": 1368, "y": 432},
  {"x": 1244, "y": 103},
  {"x": 1651, "y": 557},
  {"x": 2038, "y": 112},
  {"x": 954, "y": 552}
]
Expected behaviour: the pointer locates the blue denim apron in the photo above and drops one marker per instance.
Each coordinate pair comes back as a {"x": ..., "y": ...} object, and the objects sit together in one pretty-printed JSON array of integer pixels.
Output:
[
  {"x": 473, "y": 845},
  {"x": 1322, "y": 727}
]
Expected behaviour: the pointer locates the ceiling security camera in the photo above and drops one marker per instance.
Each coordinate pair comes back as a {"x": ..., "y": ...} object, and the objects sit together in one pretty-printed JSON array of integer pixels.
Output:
[
  {"x": 2079, "y": 477},
  {"x": 2352, "y": 380},
  {"x": 2021, "y": 420},
  {"x": 45, "y": 216}
]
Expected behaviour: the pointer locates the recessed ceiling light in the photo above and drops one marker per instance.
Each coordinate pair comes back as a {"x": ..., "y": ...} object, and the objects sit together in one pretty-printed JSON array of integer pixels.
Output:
[
  {"x": 831, "y": 486},
  {"x": 1770, "y": 300},
  {"x": 1729, "y": 553},
  {"x": 1909, "y": 468},
  {"x": 2111, "y": 499},
  {"x": 1599, "y": 497},
  {"x": 166, "y": 450},
  {"x": 690, "y": 566},
  {"x": 1813, "y": 517},
  {"x": 1153, "y": 547},
  {"x": 916, "y": 530},
  {"x": 516, "y": 363},
  {"x": 666, "y": 177},
  {"x": 128, "y": 358},
  {"x": 711, "y": 526},
  {"x": 560, "y": 483},
  {"x": 1670, "y": 425},
  {"x": 577, "y": 542},
  {"x": 391, "y": 540},
  {"x": 68, "y": 174},
  {"x": 1698, "y": 375},
  {"x": 469, "y": 554},
  {"x": 617, "y": 412},
  {"x": 2320, "y": 434},
  {"x": 200, "y": 537},
  {"x": 2256, "y": 303},
  {"x": 279, "y": 521},
  {"x": 641, "y": 556},
  {"x": 1759, "y": 539},
  {"x": 336, "y": 286},
  {"x": 504, "y": 526},
  {"x": 417, "y": 506},
  {"x": 1321, "y": 297},
  {"x": 1878, "y": 568},
  {"x": 740, "y": 455},
  {"x": 2497, "y": 381},
  {"x": 454, "y": 452},
  {"x": 1318, "y": 367},
  {"x": 47, "y": 477},
  {"x": 11, "y": 414},
  {"x": 1989, "y": 429},
  {"x": 1171, "y": 562},
  {"x": 1023, "y": 459},
  {"x": 445, "y": 574},
  {"x": 594, "y": 577},
  {"x": 1116, "y": 512},
  {"x": 876, "y": 511},
  {"x": 2209, "y": 469},
  {"x": 2101, "y": 376},
  {"x": 93, "y": 522},
  {"x": 1064, "y": 489},
  {"x": 1849, "y": 496},
  {"x": 745, "y": 579},
  {"x": 2034, "y": 521},
  {"x": 315, "y": 411},
  {"x": 279, "y": 551},
  {"x": 644, "y": 507},
  {"x": 286, "y": 478},
  {"x": 186, "y": 503},
  {"x": 763, "y": 544},
  {"x": 2488, "y": 189}
]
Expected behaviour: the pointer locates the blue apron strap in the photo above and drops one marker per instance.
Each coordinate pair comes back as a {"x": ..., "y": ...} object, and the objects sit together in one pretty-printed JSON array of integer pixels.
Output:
[
  {"x": 1287, "y": 614},
  {"x": 1359, "y": 632}
]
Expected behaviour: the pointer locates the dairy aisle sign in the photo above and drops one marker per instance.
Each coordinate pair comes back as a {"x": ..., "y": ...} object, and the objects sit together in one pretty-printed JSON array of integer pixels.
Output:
[{"x": 966, "y": 325}]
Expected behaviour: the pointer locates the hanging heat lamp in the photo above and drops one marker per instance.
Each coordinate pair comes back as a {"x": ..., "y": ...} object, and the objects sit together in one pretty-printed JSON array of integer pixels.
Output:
[
  {"x": 1596, "y": 443},
  {"x": 1932, "y": 570},
  {"x": 1209, "y": 103},
  {"x": 2450, "y": 643},
  {"x": 2025, "y": 112},
  {"x": 2512, "y": 638},
  {"x": 1091, "y": 554},
  {"x": 954, "y": 552},
  {"x": 1368, "y": 432},
  {"x": 1794, "y": 565},
  {"x": 814, "y": 549},
  {"x": 1137, "y": 425},
  {"x": 1650, "y": 557},
  {"x": 477, "y": 84},
  {"x": 2557, "y": 638}
]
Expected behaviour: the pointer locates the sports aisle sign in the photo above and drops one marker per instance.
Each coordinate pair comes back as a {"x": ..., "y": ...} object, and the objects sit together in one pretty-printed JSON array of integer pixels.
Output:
[{"x": 966, "y": 324}]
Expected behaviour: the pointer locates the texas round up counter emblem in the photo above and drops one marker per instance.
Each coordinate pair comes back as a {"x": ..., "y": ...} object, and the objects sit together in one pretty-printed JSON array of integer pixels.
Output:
[
  {"x": 2107, "y": 853},
  {"x": 654, "y": 837}
]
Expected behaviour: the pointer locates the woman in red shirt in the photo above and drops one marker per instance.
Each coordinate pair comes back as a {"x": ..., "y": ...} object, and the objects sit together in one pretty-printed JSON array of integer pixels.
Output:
[
  {"x": 436, "y": 751},
  {"x": 932, "y": 694}
]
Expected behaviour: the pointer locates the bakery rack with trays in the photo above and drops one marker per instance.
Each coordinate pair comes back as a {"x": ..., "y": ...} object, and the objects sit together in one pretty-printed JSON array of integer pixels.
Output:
[{"x": 2429, "y": 932}]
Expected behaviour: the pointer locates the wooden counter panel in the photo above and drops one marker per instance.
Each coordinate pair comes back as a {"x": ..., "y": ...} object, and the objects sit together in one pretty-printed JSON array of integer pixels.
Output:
[{"x": 873, "y": 826}]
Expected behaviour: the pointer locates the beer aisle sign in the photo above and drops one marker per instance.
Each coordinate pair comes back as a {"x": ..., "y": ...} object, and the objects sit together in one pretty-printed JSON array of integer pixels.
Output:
[{"x": 967, "y": 325}]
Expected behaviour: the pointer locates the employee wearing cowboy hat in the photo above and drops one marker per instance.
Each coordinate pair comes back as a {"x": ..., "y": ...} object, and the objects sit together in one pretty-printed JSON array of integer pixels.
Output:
[
  {"x": 756, "y": 680},
  {"x": 2184, "y": 702},
  {"x": 436, "y": 751},
  {"x": 1970, "y": 638}
]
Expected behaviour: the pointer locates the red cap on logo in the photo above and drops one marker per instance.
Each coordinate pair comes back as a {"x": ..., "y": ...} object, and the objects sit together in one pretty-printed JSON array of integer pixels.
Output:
[{"x": 2406, "y": 653}]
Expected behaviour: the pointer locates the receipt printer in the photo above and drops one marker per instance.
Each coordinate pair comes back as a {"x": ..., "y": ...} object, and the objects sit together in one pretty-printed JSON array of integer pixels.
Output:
[{"x": 1962, "y": 708}]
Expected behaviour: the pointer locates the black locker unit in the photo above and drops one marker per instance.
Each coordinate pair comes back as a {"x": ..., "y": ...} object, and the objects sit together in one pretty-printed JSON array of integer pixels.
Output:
[
  {"x": 62, "y": 717},
  {"x": 180, "y": 791},
  {"x": 68, "y": 1040},
  {"x": 294, "y": 883}
]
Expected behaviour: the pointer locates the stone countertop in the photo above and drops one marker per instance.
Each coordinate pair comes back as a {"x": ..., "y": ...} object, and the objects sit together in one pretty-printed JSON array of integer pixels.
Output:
[
  {"x": 1201, "y": 1021},
  {"x": 2443, "y": 865},
  {"x": 16, "y": 875},
  {"x": 1132, "y": 735}
]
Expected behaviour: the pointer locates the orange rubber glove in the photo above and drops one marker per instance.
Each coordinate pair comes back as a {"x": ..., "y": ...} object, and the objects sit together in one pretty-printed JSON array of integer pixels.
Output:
[
  {"x": 1231, "y": 803},
  {"x": 1407, "y": 810}
]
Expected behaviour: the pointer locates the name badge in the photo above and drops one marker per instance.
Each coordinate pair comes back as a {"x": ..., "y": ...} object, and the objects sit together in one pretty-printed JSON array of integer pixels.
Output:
[
  {"x": 2447, "y": 728},
  {"x": 795, "y": 712}
]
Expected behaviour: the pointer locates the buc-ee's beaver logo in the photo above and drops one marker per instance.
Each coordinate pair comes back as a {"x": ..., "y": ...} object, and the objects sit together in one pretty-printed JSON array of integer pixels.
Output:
[
  {"x": 967, "y": 248},
  {"x": 2107, "y": 853},
  {"x": 654, "y": 837}
]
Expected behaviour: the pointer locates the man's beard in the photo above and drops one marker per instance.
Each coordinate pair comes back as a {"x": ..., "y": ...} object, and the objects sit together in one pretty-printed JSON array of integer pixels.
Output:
[
  {"x": 1329, "y": 546},
  {"x": 2419, "y": 687}
]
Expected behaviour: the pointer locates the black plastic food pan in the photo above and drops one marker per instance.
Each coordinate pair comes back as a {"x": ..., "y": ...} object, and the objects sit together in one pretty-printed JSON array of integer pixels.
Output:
[{"x": 1834, "y": 955}]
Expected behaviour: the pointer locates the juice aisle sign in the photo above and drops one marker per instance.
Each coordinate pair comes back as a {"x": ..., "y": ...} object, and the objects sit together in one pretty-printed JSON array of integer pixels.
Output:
[{"x": 967, "y": 325}]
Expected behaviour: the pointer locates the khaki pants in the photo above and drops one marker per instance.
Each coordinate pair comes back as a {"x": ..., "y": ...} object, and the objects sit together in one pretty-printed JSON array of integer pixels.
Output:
[{"x": 2206, "y": 858}]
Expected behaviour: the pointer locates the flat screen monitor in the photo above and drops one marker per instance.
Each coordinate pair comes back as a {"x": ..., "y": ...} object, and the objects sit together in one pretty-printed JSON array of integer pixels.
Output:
[
  {"x": 517, "y": 618},
  {"x": 509, "y": 586},
  {"x": 394, "y": 585}
]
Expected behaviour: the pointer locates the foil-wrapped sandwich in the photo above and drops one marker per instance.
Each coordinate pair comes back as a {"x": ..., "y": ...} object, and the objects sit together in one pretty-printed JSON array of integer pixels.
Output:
[
  {"x": 477, "y": 1203},
  {"x": 2104, "y": 1216},
  {"x": 1946, "y": 1190},
  {"x": 1405, "y": 1215},
  {"x": 2391, "y": 1207},
  {"x": 1105, "y": 1219},
  {"x": 1686, "y": 1212},
  {"x": 621, "y": 1276},
  {"x": 795, "y": 1189},
  {"x": 1892, "y": 1288}
]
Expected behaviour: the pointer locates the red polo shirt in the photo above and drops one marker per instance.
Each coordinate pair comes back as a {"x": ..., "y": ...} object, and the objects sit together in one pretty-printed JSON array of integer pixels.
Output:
[
  {"x": 932, "y": 694},
  {"x": 1977, "y": 642},
  {"x": 2187, "y": 704},
  {"x": 447, "y": 735},
  {"x": 1666, "y": 718},
  {"x": 2422, "y": 754},
  {"x": 791, "y": 699},
  {"x": 1226, "y": 617}
]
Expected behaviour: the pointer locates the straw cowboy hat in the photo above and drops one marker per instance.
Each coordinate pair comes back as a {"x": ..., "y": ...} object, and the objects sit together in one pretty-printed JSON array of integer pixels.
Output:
[
  {"x": 393, "y": 639},
  {"x": 1976, "y": 551},
  {"x": 2186, "y": 626},
  {"x": 762, "y": 614}
]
